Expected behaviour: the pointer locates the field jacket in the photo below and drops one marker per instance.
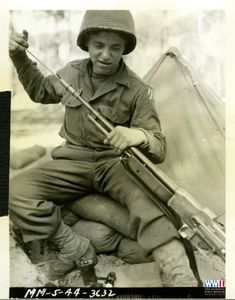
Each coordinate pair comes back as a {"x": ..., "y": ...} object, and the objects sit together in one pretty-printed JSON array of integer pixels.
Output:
[{"x": 124, "y": 99}]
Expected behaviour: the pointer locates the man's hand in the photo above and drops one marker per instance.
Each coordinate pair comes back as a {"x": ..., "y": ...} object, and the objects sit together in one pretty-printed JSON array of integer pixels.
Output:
[
  {"x": 18, "y": 43},
  {"x": 53, "y": 86},
  {"x": 122, "y": 137}
]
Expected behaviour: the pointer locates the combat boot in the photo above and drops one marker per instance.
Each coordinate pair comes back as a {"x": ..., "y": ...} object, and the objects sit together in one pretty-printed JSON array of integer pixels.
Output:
[
  {"x": 73, "y": 248},
  {"x": 174, "y": 265}
]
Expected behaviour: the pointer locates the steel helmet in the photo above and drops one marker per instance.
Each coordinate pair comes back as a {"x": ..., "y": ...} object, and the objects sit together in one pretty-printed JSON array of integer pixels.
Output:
[{"x": 113, "y": 20}]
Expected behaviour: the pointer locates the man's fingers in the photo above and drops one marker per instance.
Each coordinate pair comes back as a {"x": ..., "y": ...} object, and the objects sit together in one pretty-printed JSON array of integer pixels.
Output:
[
  {"x": 118, "y": 142},
  {"x": 110, "y": 135},
  {"x": 20, "y": 40},
  {"x": 26, "y": 34},
  {"x": 121, "y": 147},
  {"x": 112, "y": 138},
  {"x": 16, "y": 46},
  {"x": 11, "y": 48},
  {"x": 115, "y": 140},
  {"x": 122, "y": 137}
]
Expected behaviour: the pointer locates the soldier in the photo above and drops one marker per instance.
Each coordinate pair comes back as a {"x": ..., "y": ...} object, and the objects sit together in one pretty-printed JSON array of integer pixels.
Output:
[{"x": 88, "y": 162}]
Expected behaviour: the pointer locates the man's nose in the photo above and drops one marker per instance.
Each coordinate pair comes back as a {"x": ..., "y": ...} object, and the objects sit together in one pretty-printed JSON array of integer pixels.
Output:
[{"x": 106, "y": 54}]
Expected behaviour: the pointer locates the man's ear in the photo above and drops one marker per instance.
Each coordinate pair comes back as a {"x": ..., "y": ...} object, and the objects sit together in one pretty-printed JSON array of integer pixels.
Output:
[
  {"x": 86, "y": 40},
  {"x": 126, "y": 41}
]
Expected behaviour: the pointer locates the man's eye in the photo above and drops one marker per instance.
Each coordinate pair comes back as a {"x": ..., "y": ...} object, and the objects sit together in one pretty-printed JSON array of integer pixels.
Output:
[
  {"x": 98, "y": 45},
  {"x": 116, "y": 48}
]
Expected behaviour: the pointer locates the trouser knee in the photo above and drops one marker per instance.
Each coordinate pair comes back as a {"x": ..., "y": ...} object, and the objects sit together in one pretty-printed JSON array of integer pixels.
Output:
[
  {"x": 18, "y": 192},
  {"x": 15, "y": 191}
]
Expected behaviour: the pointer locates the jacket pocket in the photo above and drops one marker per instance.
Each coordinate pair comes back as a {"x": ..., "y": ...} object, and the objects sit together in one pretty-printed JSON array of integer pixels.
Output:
[
  {"x": 69, "y": 100},
  {"x": 119, "y": 115},
  {"x": 73, "y": 115}
]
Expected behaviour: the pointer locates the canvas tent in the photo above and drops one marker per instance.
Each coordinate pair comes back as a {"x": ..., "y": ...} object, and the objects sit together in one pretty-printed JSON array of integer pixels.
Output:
[{"x": 192, "y": 119}]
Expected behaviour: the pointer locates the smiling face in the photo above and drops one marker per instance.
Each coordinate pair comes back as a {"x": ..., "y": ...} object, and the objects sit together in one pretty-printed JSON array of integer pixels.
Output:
[{"x": 105, "y": 49}]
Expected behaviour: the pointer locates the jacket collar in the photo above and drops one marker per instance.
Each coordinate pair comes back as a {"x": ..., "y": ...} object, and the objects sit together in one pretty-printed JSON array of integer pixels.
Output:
[{"x": 121, "y": 77}]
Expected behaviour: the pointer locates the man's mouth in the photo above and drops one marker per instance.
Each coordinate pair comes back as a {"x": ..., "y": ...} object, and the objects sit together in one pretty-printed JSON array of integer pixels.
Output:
[{"x": 103, "y": 63}]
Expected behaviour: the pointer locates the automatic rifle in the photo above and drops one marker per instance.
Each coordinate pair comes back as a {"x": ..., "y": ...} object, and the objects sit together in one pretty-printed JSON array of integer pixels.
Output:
[{"x": 193, "y": 222}]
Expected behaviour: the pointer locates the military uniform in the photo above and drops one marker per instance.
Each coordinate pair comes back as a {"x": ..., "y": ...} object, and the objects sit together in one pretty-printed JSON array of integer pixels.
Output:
[{"x": 84, "y": 163}]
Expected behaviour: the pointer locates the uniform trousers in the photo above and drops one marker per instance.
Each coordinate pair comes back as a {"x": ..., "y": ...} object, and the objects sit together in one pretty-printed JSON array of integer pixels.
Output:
[{"x": 37, "y": 194}]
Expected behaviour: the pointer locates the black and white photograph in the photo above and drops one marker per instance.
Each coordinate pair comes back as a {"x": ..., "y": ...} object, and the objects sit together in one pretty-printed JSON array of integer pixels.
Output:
[{"x": 117, "y": 161}]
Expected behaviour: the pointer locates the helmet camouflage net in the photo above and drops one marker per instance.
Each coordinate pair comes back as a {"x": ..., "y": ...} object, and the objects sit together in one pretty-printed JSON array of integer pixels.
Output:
[{"x": 109, "y": 20}]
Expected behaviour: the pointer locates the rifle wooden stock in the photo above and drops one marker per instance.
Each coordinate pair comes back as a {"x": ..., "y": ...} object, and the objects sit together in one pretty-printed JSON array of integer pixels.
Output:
[{"x": 199, "y": 223}]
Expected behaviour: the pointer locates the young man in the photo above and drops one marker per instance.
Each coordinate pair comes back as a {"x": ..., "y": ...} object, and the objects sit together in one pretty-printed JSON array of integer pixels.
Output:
[{"x": 89, "y": 161}]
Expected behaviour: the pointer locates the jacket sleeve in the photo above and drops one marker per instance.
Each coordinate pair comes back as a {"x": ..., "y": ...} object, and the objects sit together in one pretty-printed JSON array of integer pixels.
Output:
[
  {"x": 145, "y": 118},
  {"x": 40, "y": 89}
]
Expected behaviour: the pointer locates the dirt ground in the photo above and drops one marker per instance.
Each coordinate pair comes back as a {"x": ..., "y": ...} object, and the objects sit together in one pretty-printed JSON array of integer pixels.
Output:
[
  {"x": 34, "y": 273},
  {"x": 27, "y": 273}
]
